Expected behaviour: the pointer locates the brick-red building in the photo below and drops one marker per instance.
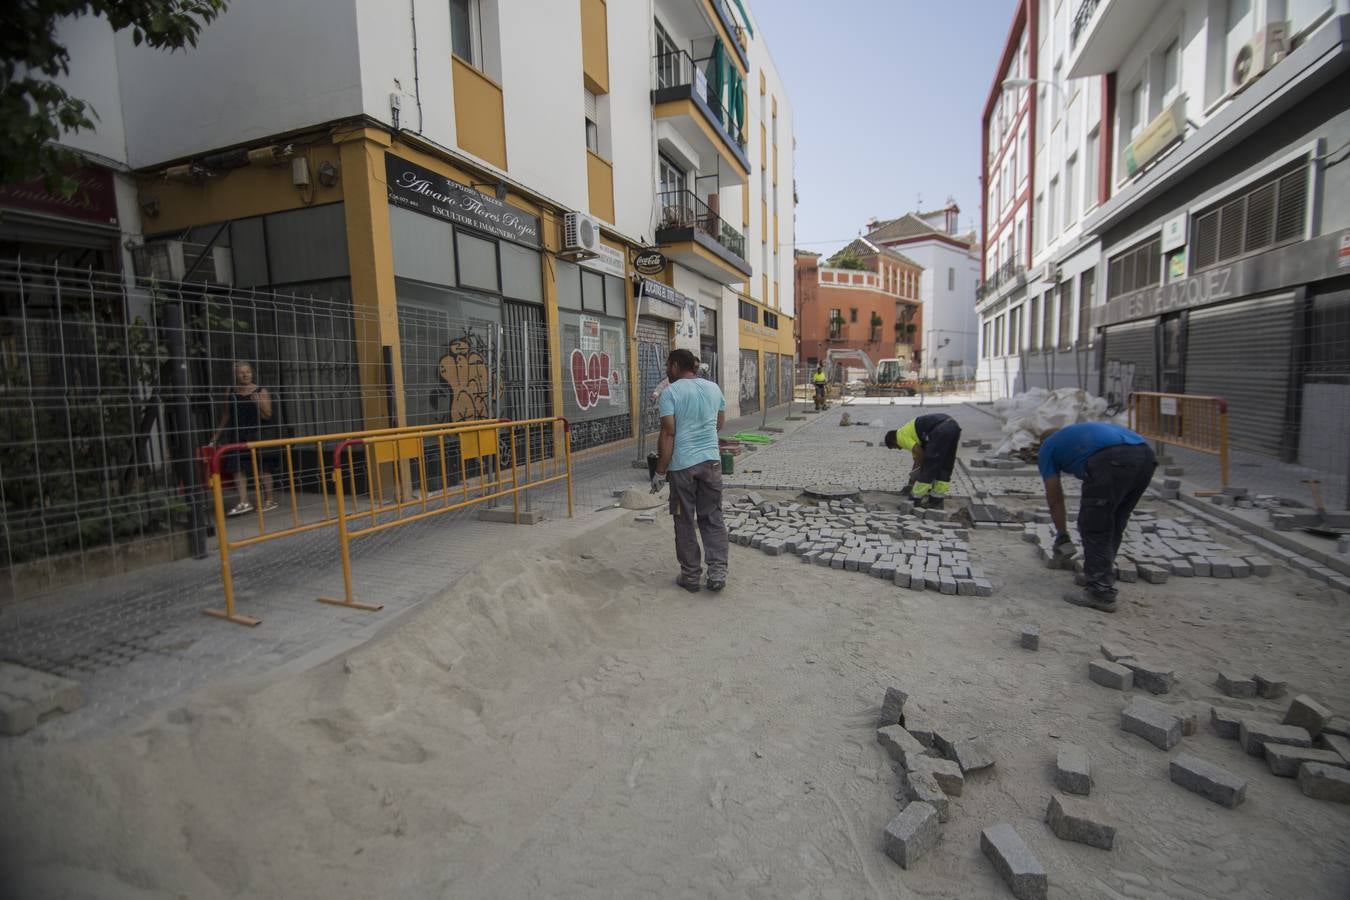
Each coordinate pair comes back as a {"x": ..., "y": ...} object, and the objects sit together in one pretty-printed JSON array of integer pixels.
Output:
[{"x": 864, "y": 298}]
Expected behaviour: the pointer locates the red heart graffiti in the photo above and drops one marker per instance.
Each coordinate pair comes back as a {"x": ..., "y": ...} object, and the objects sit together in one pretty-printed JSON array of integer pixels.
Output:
[{"x": 590, "y": 378}]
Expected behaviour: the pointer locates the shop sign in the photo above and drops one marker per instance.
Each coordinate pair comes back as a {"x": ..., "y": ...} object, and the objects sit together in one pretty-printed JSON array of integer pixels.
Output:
[
  {"x": 609, "y": 261},
  {"x": 1198, "y": 290},
  {"x": 1174, "y": 232},
  {"x": 650, "y": 262},
  {"x": 657, "y": 290},
  {"x": 413, "y": 187},
  {"x": 94, "y": 199},
  {"x": 1157, "y": 136}
]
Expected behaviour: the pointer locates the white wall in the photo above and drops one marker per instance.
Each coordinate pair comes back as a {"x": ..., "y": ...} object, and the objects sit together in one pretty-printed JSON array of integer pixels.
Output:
[
  {"x": 630, "y": 110},
  {"x": 93, "y": 78},
  {"x": 256, "y": 71},
  {"x": 385, "y": 35},
  {"x": 952, "y": 311}
]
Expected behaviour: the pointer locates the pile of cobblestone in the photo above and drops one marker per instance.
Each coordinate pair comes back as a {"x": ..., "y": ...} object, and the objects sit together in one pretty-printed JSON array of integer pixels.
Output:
[
  {"x": 1154, "y": 549},
  {"x": 919, "y": 550}
]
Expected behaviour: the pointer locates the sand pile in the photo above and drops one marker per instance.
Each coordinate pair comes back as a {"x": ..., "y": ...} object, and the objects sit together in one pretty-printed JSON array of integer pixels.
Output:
[{"x": 643, "y": 498}]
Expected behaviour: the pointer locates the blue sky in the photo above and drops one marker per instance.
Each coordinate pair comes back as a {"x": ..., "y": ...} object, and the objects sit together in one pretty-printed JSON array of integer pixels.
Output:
[{"x": 887, "y": 97}]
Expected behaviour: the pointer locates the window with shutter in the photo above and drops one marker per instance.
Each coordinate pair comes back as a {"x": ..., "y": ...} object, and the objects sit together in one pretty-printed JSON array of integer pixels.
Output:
[{"x": 1266, "y": 214}]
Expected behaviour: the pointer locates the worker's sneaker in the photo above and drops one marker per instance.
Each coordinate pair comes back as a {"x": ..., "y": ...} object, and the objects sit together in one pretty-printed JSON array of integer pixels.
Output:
[
  {"x": 716, "y": 584},
  {"x": 1091, "y": 600},
  {"x": 689, "y": 584}
]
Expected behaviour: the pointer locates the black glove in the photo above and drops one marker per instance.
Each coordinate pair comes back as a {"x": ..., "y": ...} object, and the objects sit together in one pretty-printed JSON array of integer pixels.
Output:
[{"x": 1064, "y": 548}]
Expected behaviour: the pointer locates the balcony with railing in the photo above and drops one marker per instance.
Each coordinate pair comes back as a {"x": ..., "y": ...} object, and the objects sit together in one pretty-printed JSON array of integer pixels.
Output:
[
  {"x": 1102, "y": 32},
  {"x": 1011, "y": 273},
  {"x": 704, "y": 100},
  {"x": 693, "y": 234}
]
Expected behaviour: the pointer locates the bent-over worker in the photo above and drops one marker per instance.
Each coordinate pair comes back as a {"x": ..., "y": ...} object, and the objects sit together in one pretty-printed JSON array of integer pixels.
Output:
[
  {"x": 1115, "y": 466},
  {"x": 932, "y": 440},
  {"x": 818, "y": 380}
]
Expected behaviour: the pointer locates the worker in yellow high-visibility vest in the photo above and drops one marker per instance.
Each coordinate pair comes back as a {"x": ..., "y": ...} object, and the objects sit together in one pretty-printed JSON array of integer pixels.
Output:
[
  {"x": 819, "y": 379},
  {"x": 932, "y": 440}
]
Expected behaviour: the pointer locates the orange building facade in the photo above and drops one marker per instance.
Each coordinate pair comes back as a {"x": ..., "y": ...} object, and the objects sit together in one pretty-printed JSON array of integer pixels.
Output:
[{"x": 874, "y": 309}]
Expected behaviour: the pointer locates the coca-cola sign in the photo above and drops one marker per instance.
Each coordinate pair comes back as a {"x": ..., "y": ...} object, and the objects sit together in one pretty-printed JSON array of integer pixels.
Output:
[
  {"x": 650, "y": 262},
  {"x": 416, "y": 188}
]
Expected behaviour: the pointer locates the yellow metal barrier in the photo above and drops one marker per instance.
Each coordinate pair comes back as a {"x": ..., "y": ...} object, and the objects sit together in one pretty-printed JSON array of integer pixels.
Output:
[
  {"x": 1184, "y": 420},
  {"x": 478, "y": 443}
]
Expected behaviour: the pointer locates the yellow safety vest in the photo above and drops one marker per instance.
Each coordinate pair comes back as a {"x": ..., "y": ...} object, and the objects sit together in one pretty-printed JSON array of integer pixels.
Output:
[
  {"x": 819, "y": 378},
  {"x": 908, "y": 435}
]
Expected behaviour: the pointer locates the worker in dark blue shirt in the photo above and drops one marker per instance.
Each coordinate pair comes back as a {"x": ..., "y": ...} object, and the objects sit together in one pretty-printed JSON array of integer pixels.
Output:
[{"x": 1115, "y": 466}]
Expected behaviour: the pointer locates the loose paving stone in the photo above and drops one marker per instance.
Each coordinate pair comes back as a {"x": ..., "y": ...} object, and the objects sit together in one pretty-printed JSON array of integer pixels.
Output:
[
  {"x": 1235, "y": 685},
  {"x": 1338, "y": 744},
  {"x": 902, "y": 746},
  {"x": 1031, "y": 637},
  {"x": 1305, "y": 712},
  {"x": 1072, "y": 770},
  {"x": 1323, "y": 782},
  {"x": 945, "y": 772},
  {"x": 918, "y": 724},
  {"x": 1109, "y": 674},
  {"x": 1152, "y": 677},
  {"x": 1014, "y": 861},
  {"x": 1253, "y": 735},
  {"x": 1153, "y": 722},
  {"x": 1226, "y": 722},
  {"x": 1208, "y": 780},
  {"x": 972, "y": 755},
  {"x": 1079, "y": 821},
  {"x": 27, "y": 696},
  {"x": 1284, "y": 760},
  {"x": 1269, "y": 686},
  {"x": 893, "y": 708},
  {"x": 912, "y": 833},
  {"x": 1337, "y": 725},
  {"x": 1116, "y": 652},
  {"x": 921, "y": 787}
]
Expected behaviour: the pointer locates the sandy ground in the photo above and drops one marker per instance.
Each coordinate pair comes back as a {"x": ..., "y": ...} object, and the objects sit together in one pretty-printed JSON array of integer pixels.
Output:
[{"x": 570, "y": 724}]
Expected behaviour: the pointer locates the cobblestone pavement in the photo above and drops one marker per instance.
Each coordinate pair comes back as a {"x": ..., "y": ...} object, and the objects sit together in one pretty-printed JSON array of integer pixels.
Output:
[{"x": 136, "y": 641}]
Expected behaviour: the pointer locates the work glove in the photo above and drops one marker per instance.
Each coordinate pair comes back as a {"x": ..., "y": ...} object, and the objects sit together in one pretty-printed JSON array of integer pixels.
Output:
[
  {"x": 1064, "y": 549},
  {"x": 657, "y": 482}
]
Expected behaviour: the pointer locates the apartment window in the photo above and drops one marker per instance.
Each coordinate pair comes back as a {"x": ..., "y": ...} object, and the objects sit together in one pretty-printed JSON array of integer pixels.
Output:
[
  {"x": 1037, "y": 224},
  {"x": 1042, "y": 114},
  {"x": 984, "y": 340},
  {"x": 1271, "y": 212},
  {"x": 1087, "y": 286},
  {"x": 1022, "y": 153},
  {"x": 1033, "y": 318},
  {"x": 836, "y": 322},
  {"x": 672, "y": 179},
  {"x": 1171, "y": 72},
  {"x": 466, "y": 31},
  {"x": 1050, "y": 209},
  {"x": 747, "y": 311},
  {"x": 1135, "y": 110},
  {"x": 998, "y": 336},
  {"x": 1057, "y": 101},
  {"x": 592, "y": 122},
  {"x": 1070, "y": 191},
  {"x": 770, "y": 320},
  {"x": 1066, "y": 315},
  {"x": 1137, "y": 268},
  {"x": 951, "y": 279},
  {"x": 1091, "y": 189},
  {"x": 853, "y": 315},
  {"x": 667, "y": 58}
]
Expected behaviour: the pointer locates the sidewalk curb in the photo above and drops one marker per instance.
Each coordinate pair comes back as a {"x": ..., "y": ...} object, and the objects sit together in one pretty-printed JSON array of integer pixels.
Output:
[{"x": 1289, "y": 551}]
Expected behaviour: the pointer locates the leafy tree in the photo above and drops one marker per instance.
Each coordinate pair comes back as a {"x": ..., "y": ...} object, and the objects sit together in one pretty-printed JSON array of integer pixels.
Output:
[
  {"x": 847, "y": 259},
  {"x": 35, "y": 111}
]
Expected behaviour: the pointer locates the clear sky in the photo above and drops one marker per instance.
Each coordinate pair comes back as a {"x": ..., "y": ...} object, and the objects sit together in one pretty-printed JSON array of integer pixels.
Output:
[{"x": 887, "y": 98}]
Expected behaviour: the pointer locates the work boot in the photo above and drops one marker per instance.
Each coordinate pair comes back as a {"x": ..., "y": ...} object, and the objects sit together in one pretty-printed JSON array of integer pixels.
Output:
[
  {"x": 689, "y": 584},
  {"x": 716, "y": 584},
  {"x": 930, "y": 502},
  {"x": 1091, "y": 600}
]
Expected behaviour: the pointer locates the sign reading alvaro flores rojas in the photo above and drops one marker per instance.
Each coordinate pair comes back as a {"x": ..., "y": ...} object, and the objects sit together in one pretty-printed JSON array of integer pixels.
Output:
[{"x": 416, "y": 188}]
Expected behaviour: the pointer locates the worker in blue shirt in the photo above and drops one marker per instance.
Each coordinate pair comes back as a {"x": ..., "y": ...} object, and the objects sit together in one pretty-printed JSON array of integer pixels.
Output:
[{"x": 1115, "y": 466}]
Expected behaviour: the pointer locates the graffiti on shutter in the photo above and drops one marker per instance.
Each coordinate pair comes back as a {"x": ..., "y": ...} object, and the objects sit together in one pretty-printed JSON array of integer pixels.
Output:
[{"x": 749, "y": 381}]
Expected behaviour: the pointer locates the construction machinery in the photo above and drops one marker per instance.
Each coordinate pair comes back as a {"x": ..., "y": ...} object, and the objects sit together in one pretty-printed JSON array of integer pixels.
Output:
[{"x": 884, "y": 378}]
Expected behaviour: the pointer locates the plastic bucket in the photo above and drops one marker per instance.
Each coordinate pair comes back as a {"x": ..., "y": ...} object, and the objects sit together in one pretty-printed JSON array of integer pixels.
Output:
[{"x": 728, "y": 462}]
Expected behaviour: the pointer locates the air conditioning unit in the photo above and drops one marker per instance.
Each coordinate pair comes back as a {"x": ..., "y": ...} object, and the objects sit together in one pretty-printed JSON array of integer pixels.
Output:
[
  {"x": 581, "y": 237},
  {"x": 169, "y": 261},
  {"x": 1270, "y": 45}
]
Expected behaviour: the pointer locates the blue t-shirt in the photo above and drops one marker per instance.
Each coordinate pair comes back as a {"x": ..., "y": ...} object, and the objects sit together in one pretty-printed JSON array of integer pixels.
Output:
[
  {"x": 695, "y": 403},
  {"x": 1068, "y": 449}
]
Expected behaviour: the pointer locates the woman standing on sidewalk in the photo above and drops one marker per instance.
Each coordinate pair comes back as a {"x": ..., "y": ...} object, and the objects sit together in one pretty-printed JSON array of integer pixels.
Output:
[{"x": 247, "y": 407}]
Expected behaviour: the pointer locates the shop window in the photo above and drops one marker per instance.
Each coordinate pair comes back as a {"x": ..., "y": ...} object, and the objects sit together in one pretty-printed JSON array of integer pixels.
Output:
[
  {"x": 615, "y": 300},
  {"x": 1087, "y": 286},
  {"x": 477, "y": 262},
  {"x": 592, "y": 291},
  {"x": 421, "y": 247},
  {"x": 1266, "y": 214},
  {"x": 569, "y": 284},
  {"x": 520, "y": 273}
]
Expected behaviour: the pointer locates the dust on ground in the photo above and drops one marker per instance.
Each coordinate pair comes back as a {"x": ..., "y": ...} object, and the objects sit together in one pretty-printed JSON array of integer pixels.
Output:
[{"x": 568, "y": 723}]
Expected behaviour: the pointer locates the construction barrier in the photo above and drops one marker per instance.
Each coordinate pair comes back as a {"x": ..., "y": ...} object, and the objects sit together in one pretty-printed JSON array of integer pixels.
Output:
[
  {"x": 1183, "y": 420},
  {"x": 490, "y": 451}
]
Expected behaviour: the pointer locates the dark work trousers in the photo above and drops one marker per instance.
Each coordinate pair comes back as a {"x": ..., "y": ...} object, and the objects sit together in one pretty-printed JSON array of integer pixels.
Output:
[
  {"x": 1116, "y": 478},
  {"x": 939, "y": 453},
  {"x": 696, "y": 497}
]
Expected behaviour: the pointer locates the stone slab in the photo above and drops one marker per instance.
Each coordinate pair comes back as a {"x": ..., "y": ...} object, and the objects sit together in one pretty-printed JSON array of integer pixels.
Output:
[
  {"x": 1015, "y": 863},
  {"x": 1233, "y": 684},
  {"x": 1030, "y": 637},
  {"x": 1208, "y": 780},
  {"x": 900, "y": 745},
  {"x": 1323, "y": 782},
  {"x": 972, "y": 755},
  {"x": 1226, "y": 722},
  {"x": 1073, "y": 774},
  {"x": 944, "y": 771},
  {"x": 1284, "y": 759},
  {"x": 1253, "y": 735},
  {"x": 1307, "y": 713},
  {"x": 1079, "y": 821},
  {"x": 27, "y": 696},
  {"x": 1152, "y": 722},
  {"x": 921, "y": 787},
  {"x": 911, "y": 834},
  {"x": 1338, "y": 725},
  {"x": 1109, "y": 674},
  {"x": 1152, "y": 677},
  {"x": 892, "y": 708},
  {"x": 1270, "y": 686},
  {"x": 1336, "y": 743}
]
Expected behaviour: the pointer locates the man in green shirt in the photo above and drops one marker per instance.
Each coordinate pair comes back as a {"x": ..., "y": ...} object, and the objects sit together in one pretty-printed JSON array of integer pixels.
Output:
[{"x": 819, "y": 379}]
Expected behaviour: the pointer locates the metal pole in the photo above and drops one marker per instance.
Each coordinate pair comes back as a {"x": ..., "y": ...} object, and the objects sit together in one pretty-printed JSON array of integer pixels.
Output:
[{"x": 180, "y": 416}]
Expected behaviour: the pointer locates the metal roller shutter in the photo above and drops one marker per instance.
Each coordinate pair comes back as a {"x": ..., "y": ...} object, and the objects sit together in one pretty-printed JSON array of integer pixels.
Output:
[
  {"x": 1130, "y": 360},
  {"x": 653, "y": 347},
  {"x": 1242, "y": 351}
]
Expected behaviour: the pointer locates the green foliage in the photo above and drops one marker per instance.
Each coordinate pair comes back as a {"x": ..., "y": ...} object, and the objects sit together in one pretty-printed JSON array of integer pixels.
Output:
[
  {"x": 847, "y": 259},
  {"x": 35, "y": 111}
]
